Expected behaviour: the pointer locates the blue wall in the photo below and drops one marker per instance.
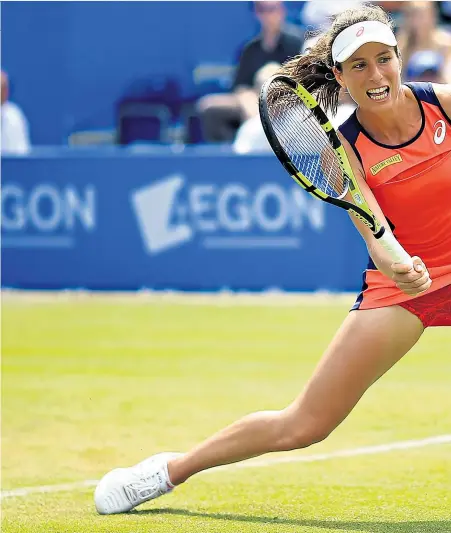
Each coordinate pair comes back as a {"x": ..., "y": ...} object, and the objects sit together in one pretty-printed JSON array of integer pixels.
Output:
[
  {"x": 69, "y": 62},
  {"x": 200, "y": 219}
]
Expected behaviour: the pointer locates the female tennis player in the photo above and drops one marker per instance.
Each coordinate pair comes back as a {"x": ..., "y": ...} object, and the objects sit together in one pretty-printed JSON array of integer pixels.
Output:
[{"x": 399, "y": 145}]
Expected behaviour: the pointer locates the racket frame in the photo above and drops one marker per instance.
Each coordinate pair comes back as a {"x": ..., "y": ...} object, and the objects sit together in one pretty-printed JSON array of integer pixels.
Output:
[{"x": 359, "y": 209}]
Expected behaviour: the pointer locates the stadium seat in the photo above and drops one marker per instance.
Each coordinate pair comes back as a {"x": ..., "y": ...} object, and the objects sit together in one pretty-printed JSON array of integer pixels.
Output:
[
  {"x": 192, "y": 123},
  {"x": 92, "y": 138},
  {"x": 143, "y": 121}
]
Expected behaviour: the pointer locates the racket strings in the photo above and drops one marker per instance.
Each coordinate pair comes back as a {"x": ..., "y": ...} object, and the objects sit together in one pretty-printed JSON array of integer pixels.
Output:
[{"x": 303, "y": 139}]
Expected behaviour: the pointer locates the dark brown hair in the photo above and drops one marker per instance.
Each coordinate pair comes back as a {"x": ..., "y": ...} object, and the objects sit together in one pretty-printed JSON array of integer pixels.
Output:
[{"x": 314, "y": 69}]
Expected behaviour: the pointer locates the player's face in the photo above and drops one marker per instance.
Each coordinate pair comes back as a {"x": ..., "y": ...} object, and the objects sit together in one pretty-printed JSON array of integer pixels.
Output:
[{"x": 372, "y": 76}]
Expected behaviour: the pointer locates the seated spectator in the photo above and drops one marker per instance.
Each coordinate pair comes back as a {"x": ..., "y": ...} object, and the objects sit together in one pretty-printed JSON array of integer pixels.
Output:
[
  {"x": 395, "y": 9},
  {"x": 250, "y": 137},
  {"x": 222, "y": 114},
  {"x": 317, "y": 14},
  {"x": 419, "y": 31},
  {"x": 445, "y": 11},
  {"x": 426, "y": 65},
  {"x": 15, "y": 136}
]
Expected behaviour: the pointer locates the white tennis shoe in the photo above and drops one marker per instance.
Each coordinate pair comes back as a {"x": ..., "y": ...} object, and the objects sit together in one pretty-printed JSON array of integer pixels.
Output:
[{"x": 122, "y": 489}]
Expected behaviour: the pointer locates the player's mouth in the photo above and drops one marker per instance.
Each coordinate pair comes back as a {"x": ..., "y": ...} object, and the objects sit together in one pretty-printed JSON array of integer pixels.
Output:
[{"x": 380, "y": 93}]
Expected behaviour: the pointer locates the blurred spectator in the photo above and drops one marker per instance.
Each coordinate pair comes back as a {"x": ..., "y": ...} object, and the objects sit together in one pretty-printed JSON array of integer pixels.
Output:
[
  {"x": 391, "y": 6},
  {"x": 426, "y": 65},
  {"x": 395, "y": 9},
  {"x": 444, "y": 8},
  {"x": 419, "y": 31},
  {"x": 317, "y": 14},
  {"x": 250, "y": 136},
  {"x": 14, "y": 131},
  {"x": 222, "y": 114}
]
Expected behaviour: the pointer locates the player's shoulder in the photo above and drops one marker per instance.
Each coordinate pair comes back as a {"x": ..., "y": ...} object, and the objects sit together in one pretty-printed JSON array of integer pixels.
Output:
[
  {"x": 350, "y": 128},
  {"x": 443, "y": 93},
  {"x": 436, "y": 94},
  {"x": 354, "y": 159}
]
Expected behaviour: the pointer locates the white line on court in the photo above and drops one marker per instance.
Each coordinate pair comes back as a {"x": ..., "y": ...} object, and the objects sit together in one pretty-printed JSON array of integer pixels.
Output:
[{"x": 353, "y": 452}]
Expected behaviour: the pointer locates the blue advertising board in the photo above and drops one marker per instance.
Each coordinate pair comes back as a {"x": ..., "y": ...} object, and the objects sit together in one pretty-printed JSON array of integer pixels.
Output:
[{"x": 188, "y": 221}]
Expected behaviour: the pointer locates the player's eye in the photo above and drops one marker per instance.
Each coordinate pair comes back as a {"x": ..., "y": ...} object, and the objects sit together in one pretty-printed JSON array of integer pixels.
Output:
[
  {"x": 384, "y": 59},
  {"x": 359, "y": 66}
]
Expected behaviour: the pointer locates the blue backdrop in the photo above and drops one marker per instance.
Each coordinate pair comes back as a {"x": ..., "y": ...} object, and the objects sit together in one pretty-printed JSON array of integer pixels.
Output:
[
  {"x": 199, "y": 219},
  {"x": 70, "y": 62}
]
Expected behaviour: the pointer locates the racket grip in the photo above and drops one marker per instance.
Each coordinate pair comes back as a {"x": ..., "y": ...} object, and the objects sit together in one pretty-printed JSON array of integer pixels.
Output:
[{"x": 396, "y": 251}]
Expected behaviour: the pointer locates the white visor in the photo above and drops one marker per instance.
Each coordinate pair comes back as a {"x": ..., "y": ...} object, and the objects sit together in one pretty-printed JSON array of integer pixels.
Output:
[{"x": 355, "y": 36}]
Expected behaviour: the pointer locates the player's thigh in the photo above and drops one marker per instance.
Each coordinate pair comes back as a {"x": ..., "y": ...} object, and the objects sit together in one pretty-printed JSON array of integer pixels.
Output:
[{"x": 368, "y": 344}]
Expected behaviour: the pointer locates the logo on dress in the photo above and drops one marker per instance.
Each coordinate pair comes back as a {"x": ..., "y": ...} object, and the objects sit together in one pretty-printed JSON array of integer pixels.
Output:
[
  {"x": 440, "y": 131},
  {"x": 359, "y": 33},
  {"x": 375, "y": 169}
]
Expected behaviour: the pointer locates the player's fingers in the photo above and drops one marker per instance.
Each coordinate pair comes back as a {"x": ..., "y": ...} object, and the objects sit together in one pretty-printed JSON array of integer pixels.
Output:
[
  {"x": 416, "y": 288},
  {"x": 418, "y": 264},
  {"x": 413, "y": 283},
  {"x": 408, "y": 277},
  {"x": 416, "y": 275},
  {"x": 424, "y": 287},
  {"x": 400, "y": 268}
]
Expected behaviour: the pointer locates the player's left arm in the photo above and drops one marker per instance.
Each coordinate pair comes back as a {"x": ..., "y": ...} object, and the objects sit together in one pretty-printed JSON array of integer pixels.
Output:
[{"x": 443, "y": 93}]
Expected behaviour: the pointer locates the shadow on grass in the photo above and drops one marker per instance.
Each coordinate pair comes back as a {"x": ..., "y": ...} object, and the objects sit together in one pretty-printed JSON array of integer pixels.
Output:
[{"x": 428, "y": 526}]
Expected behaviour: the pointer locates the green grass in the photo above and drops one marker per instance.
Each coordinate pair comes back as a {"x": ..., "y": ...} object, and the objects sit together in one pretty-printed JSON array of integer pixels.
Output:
[{"x": 91, "y": 383}]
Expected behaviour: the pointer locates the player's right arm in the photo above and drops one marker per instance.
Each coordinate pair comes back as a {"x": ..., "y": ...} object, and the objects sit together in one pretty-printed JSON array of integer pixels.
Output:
[
  {"x": 411, "y": 281},
  {"x": 378, "y": 254}
]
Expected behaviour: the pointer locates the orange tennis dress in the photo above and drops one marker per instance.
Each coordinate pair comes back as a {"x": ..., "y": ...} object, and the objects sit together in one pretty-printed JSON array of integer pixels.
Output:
[{"x": 412, "y": 184}]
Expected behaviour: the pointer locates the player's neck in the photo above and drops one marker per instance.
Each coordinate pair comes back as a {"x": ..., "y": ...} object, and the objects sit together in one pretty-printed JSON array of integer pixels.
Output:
[{"x": 396, "y": 125}]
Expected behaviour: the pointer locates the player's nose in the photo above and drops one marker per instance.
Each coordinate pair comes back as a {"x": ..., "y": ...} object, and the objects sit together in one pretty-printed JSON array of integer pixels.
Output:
[{"x": 375, "y": 74}]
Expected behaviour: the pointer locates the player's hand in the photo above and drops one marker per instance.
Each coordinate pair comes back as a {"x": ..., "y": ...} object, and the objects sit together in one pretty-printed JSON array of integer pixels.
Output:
[{"x": 412, "y": 281}]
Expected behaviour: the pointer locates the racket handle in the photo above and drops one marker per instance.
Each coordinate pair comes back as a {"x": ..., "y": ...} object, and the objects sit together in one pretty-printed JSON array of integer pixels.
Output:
[{"x": 396, "y": 251}]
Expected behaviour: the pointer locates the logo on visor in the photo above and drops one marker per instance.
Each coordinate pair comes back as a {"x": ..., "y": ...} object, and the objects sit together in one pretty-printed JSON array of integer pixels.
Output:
[{"x": 359, "y": 33}]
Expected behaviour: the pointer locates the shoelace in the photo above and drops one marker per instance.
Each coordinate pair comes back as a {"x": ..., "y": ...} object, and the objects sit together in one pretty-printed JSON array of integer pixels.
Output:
[{"x": 143, "y": 486}]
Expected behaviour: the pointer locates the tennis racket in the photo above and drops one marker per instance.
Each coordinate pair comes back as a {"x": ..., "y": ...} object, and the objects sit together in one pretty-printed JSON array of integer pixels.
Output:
[{"x": 309, "y": 149}]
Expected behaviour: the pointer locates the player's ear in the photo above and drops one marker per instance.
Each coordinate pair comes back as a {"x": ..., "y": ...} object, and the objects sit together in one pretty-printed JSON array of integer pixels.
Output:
[{"x": 339, "y": 76}]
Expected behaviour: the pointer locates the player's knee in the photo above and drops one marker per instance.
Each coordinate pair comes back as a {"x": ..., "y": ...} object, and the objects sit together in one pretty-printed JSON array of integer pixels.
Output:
[
  {"x": 302, "y": 438},
  {"x": 302, "y": 433}
]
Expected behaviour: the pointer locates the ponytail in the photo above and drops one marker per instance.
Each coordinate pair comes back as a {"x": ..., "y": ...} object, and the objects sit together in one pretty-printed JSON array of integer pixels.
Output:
[{"x": 313, "y": 70}]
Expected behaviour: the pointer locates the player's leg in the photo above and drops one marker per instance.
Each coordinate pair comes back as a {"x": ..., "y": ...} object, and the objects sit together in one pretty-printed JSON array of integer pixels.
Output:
[{"x": 365, "y": 347}]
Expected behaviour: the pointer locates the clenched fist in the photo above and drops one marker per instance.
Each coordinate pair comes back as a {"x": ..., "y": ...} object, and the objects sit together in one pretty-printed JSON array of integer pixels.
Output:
[{"x": 412, "y": 281}]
